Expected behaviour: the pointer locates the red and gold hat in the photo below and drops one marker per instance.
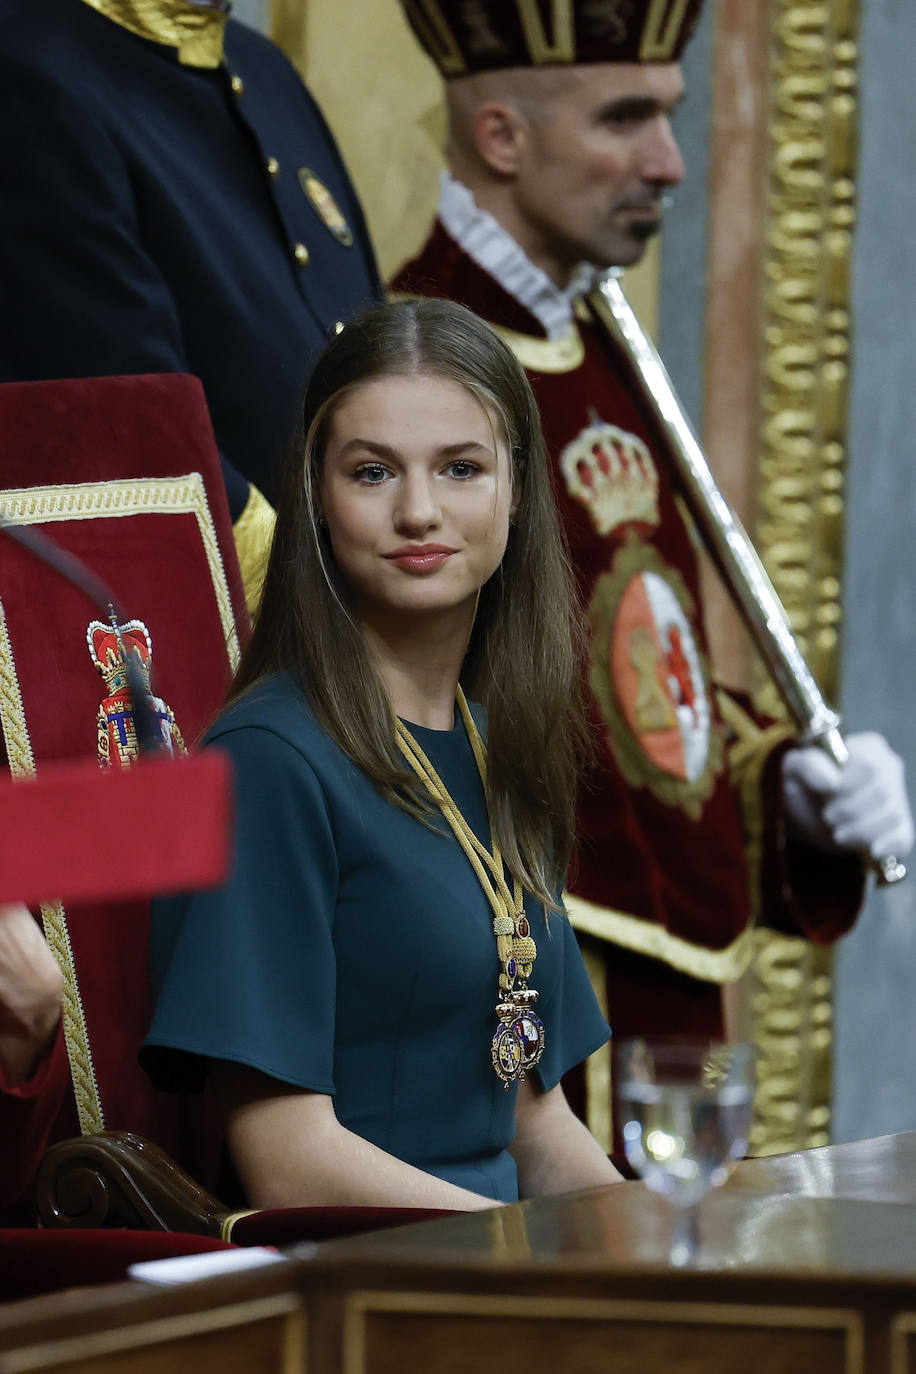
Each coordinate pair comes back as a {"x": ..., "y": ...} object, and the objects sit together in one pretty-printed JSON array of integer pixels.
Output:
[{"x": 467, "y": 36}]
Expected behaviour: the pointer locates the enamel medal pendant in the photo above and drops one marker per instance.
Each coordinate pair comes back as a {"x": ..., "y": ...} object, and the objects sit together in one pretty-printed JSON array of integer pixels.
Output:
[{"x": 519, "y": 1040}]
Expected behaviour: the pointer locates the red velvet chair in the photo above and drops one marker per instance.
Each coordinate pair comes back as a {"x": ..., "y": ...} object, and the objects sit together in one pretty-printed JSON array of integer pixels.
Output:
[{"x": 122, "y": 472}]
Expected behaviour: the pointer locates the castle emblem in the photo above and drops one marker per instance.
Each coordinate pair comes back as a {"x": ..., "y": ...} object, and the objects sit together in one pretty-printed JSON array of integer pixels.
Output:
[
  {"x": 655, "y": 668},
  {"x": 117, "y": 734},
  {"x": 651, "y": 679},
  {"x": 611, "y": 473}
]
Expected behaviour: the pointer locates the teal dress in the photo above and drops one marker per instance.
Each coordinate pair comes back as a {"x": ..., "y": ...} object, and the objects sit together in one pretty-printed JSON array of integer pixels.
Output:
[{"x": 351, "y": 952}]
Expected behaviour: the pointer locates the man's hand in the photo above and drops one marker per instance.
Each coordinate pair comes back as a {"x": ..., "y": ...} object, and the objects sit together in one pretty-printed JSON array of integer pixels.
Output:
[
  {"x": 862, "y": 806},
  {"x": 31, "y": 993}
]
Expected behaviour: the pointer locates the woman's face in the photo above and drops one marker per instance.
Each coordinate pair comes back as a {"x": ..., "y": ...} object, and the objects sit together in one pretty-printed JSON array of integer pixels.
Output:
[{"x": 417, "y": 494}]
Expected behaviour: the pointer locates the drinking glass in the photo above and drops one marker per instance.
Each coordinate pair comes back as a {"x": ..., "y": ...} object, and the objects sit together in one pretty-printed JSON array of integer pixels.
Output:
[{"x": 685, "y": 1110}]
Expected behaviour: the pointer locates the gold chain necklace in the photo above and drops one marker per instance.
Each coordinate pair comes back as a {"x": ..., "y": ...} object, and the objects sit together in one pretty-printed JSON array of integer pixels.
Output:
[{"x": 518, "y": 1042}]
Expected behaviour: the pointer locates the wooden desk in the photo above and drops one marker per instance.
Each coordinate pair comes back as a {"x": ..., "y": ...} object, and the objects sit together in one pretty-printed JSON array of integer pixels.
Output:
[
  {"x": 807, "y": 1266},
  {"x": 879, "y": 1170}
]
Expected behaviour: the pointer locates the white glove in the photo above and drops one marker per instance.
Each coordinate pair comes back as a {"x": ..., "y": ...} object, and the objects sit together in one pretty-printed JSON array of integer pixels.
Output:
[{"x": 862, "y": 806}]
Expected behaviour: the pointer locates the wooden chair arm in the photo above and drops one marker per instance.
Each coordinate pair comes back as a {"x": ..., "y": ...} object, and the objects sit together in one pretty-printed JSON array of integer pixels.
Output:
[{"x": 117, "y": 1179}]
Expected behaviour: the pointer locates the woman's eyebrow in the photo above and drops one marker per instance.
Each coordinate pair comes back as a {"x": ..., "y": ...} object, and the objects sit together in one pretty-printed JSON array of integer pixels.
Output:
[
  {"x": 380, "y": 450},
  {"x": 386, "y": 451},
  {"x": 466, "y": 446}
]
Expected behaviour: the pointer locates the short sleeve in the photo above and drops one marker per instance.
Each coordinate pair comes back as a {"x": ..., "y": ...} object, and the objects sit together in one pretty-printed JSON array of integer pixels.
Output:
[
  {"x": 573, "y": 1024},
  {"x": 247, "y": 972}
]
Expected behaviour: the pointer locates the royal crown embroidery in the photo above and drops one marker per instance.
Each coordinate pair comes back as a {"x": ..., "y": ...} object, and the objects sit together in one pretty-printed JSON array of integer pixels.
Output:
[
  {"x": 612, "y": 474},
  {"x": 117, "y": 732}
]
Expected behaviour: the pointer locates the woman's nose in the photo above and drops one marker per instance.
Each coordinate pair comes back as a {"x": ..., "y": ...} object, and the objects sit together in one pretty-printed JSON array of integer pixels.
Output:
[{"x": 417, "y": 507}]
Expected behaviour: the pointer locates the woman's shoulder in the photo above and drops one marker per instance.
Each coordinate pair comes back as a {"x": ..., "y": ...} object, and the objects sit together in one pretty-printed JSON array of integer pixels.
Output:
[{"x": 275, "y": 706}]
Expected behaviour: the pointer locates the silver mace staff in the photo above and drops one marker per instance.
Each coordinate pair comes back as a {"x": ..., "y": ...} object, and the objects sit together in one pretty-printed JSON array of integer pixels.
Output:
[{"x": 745, "y": 576}]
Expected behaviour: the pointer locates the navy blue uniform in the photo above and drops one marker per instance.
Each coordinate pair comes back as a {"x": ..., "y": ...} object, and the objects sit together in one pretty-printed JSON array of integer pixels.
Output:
[{"x": 153, "y": 219}]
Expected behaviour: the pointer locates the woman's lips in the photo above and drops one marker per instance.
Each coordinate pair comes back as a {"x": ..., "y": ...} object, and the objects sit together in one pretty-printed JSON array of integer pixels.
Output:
[{"x": 420, "y": 557}]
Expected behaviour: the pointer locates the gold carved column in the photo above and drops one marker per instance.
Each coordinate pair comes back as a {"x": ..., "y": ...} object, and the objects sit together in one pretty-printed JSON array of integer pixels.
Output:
[{"x": 803, "y": 371}]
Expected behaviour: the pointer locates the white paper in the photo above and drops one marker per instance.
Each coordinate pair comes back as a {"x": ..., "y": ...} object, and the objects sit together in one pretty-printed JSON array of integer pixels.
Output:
[{"x": 190, "y": 1268}]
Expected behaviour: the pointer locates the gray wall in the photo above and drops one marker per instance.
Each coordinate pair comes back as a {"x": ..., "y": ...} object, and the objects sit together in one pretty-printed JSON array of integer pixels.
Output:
[
  {"x": 875, "y": 1061},
  {"x": 253, "y": 12}
]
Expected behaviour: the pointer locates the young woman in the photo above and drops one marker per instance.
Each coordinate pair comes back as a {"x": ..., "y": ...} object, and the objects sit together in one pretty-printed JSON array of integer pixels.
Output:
[{"x": 396, "y": 876}]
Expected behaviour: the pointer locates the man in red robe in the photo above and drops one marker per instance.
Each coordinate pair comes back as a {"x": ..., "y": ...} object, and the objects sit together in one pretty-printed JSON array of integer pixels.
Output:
[{"x": 696, "y": 821}]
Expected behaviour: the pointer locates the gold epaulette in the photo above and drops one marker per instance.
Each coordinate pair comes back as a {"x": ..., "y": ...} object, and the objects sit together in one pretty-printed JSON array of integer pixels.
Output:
[
  {"x": 197, "y": 31},
  {"x": 254, "y": 532}
]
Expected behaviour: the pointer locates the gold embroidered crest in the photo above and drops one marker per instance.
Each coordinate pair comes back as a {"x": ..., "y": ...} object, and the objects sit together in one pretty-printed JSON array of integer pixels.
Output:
[
  {"x": 115, "y": 724},
  {"x": 651, "y": 679},
  {"x": 611, "y": 473}
]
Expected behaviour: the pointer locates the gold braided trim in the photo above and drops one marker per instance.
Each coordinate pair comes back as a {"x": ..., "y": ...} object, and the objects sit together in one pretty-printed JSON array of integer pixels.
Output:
[
  {"x": 228, "y": 1221},
  {"x": 87, "y": 501},
  {"x": 197, "y": 31},
  {"x": 12, "y": 718},
  {"x": 53, "y": 918},
  {"x": 598, "y": 1075},
  {"x": 76, "y": 1032},
  {"x": 254, "y": 532},
  {"x": 112, "y": 500},
  {"x": 644, "y": 937}
]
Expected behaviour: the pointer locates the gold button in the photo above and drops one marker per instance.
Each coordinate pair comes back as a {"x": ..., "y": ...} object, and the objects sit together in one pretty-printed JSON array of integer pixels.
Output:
[
  {"x": 273, "y": 167},
  {"x": 339, "y": 327},
  {"x": 237, "y": 85},
  {"x": 301, "y": 254}
]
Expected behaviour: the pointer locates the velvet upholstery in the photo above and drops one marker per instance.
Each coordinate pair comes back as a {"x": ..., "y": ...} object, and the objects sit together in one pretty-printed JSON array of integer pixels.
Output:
[
  {"x": 149, "y": 517},
  {"x": 34, "y": 1262}
]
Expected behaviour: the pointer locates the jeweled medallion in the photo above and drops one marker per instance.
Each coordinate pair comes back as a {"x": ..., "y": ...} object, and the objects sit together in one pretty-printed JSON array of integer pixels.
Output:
[
  {"x": 506, "y": 1052},
  {"x": 528, "y": 1030}
]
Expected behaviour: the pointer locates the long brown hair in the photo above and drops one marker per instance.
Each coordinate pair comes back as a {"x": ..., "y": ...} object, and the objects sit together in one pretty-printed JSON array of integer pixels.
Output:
[{"x": 522, "y": 662}]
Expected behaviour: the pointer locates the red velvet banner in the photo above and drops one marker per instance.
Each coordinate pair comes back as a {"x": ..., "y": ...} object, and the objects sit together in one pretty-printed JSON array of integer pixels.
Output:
[{"x": 53, "y": 827}]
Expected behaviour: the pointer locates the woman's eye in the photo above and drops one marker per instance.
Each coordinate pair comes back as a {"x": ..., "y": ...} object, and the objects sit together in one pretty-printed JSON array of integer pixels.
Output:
[
  {"x": 371, "y": 473},
  {"x": 462, "y": 468}
]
